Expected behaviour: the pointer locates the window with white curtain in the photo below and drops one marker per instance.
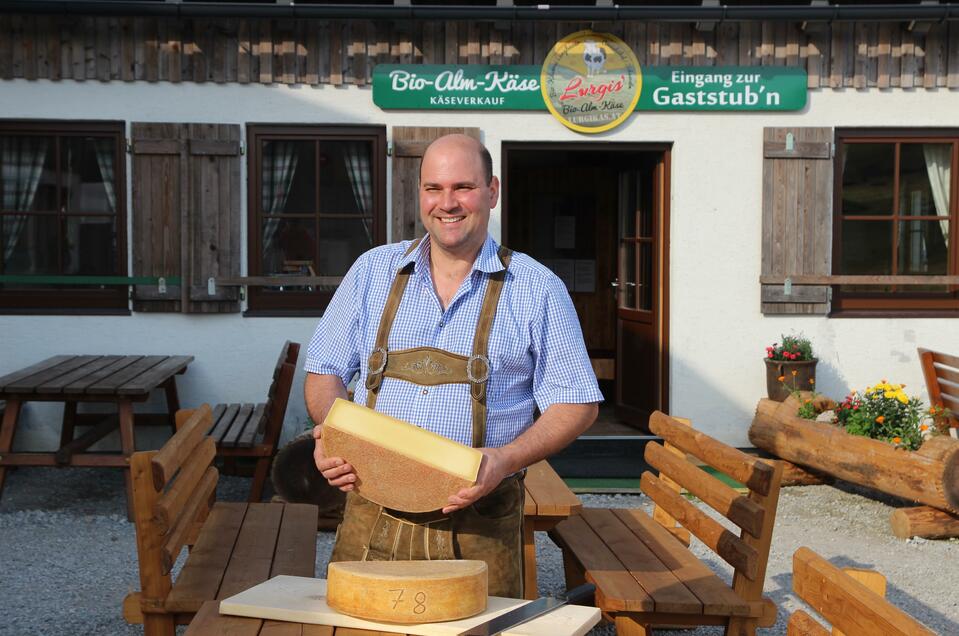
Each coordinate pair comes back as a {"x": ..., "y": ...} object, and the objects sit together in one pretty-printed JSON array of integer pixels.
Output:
[
  {"x": 62, "y": 216},
  {"x": 317, "y": 201},
  {"x": 896, "y": 215}
]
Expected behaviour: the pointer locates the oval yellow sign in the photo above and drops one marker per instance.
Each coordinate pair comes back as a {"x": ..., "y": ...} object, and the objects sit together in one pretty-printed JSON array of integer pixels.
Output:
[{"x": 591, "y": 81}]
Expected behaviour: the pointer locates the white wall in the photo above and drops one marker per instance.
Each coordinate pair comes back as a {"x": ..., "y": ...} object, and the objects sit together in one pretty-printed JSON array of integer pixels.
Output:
[{"x": 717, "y": 333}]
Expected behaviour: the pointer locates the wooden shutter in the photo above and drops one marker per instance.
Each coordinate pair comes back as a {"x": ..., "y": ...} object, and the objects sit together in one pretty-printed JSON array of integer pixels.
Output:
[
  {"x": 186, "y": 214},
  {"x": 797, "y": 217},
  {"x": 409, "y": 144}
]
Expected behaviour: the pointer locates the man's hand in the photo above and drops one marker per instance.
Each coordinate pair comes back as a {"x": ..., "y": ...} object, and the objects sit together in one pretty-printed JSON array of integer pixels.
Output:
[
  {"x": 335, "y": 470},
  {"x": 492, "y": 470}
]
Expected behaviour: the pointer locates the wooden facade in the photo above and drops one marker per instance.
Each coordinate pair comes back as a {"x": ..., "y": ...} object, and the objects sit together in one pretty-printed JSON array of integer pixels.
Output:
[{"x": 845, "y": 54}]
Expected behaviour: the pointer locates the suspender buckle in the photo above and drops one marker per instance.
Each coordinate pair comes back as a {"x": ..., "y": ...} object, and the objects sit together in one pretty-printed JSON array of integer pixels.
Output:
[
  {"x": 484, "y": 374},
  {"x": 381, "y": 366}
]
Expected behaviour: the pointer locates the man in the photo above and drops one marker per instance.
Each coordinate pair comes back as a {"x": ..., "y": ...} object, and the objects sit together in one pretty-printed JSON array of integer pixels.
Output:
[{"x": 454, "y": 296}]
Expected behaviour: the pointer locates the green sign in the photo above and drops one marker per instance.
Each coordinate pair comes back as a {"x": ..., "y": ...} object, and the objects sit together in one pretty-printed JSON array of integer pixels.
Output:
[
  {"x": 457, "y": 87},
  {"x": 664, "y": 88},
  {"x": 723, "y": 88}
]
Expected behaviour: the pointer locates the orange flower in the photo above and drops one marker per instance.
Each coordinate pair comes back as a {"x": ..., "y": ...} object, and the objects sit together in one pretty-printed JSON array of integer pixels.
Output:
[
  {"x": 795, "y": 373},
  {"x": 812, "y": 380},
  {"x": 923, "y": 427},
  {"x": 881, "y": 419},
  {"x": 808, "y": 400},
  {"x": 896, "y": 440},
  {"x": 782, "y": 378}
]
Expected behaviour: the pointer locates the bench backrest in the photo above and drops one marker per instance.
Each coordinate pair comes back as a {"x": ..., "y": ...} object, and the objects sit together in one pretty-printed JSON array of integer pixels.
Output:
[
  {"x": 173, "y": 491},
  {"x": 941, "y": 372},
  {"x": 279, "y": 394},
  {"x": 754, "y": 512},
  {"x": 851, "y": 600}
]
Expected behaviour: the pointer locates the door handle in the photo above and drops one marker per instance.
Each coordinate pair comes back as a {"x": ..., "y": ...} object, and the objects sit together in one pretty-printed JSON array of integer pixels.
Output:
[{"x": 616, "y": 284}]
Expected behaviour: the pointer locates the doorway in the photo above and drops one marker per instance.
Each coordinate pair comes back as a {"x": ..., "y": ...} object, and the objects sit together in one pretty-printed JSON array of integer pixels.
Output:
[{"x": 597, "y": 214}]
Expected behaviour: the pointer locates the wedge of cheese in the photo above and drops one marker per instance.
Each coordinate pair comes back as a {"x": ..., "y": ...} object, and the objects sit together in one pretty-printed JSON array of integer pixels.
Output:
[
  {"x": 407, "y": 591},
  {"x": 397, "y": 464}
]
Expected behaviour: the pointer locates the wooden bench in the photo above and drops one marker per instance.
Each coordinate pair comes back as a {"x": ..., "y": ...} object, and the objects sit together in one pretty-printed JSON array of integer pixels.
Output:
[
  {"x": 234, "y": 545},
  {"x": 643, "y": 570},
  {"x": 941, "y": 372},
  {"x": 253, "y": 430},
  {"x": 850, "y": 599}
]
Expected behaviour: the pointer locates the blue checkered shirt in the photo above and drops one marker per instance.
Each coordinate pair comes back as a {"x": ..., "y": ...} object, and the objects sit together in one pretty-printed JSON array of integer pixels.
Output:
[{"x": 536, "y": 350}]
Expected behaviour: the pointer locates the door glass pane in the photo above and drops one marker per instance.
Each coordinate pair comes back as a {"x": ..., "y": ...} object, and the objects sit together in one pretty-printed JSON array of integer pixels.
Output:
[
  {"x": 89, "y": 246},
  {"x": 29, "y": 244},
  {"x": 346, "y": 178},
  {"x": 628, "y": 205},
  {"x": 867, "y": 178},
  {"x": 89, "y": 174},
  {"x": 644, "y": 286},
  {"x": 866, "y": 249},
  {"x": 627, "y": 275},
  {"x": 924, "y": 249},
  {"x": 288, "y": 177},
  {"x": 924, "y": 181},
  {"x": 645, "y": 199},
  {"x": 341, "y": 242},
  {"x": 28, "y": 176}
]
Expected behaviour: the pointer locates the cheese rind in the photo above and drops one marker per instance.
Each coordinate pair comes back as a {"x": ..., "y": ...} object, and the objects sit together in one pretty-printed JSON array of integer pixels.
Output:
[
  {"x": 398, "y": 465},
  {"x": 408, "y": 592}
]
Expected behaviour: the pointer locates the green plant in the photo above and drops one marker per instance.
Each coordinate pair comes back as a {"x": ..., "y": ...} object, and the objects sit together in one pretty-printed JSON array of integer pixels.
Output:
[
  {"x": 792, "y": 348},
  {"x": 886, "y": 413},
  {"x": 810, "y": 402}
]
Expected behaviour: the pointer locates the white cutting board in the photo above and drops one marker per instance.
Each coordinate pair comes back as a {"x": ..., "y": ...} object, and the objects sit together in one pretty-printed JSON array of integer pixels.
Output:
[{"x": 303, "y": 600}]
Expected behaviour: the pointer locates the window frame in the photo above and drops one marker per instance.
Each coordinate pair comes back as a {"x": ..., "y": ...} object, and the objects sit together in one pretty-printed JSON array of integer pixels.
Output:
[
  {"x": 296, "y": 303},
  {"x": 901, "y": 302},
  {"x": 114, "y": 299}
]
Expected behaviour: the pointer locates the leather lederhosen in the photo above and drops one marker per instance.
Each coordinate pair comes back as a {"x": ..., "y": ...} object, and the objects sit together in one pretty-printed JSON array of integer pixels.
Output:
[{"x": 491, "y": 528}]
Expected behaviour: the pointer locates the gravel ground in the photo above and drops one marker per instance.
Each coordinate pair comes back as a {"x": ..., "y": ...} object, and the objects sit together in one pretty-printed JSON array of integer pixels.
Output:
[{"x": 70, "y": 555}]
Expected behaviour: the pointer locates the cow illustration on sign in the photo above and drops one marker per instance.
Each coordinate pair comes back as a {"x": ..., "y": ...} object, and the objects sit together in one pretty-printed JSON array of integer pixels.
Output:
[{"x": 594, "y": 57}]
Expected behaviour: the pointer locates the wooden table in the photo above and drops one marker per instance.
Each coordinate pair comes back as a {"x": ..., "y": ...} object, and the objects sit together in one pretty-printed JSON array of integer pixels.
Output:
[
  {"x": 73, "y": 379},
  {"x": 548, "y": 501}
]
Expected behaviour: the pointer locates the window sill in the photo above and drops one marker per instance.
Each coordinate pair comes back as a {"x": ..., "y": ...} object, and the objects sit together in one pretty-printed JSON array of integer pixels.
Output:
[
  {"x": 895, "y": 313},
  {"x": 63, "y": 311},
  {"x": 283, "y": 313}
]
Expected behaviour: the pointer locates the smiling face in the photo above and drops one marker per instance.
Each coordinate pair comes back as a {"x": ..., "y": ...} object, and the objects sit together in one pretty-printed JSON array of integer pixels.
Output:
[{"x": 455, "y": 198}]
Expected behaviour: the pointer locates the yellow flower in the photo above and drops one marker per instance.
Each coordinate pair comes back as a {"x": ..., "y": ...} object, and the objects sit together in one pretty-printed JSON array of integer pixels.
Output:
[
  {"x": 794, "y": 373},
  {"x": 812, "y": 380},
  {"x": 902, "y": 397},
  {"x": 888, "y": 394}
]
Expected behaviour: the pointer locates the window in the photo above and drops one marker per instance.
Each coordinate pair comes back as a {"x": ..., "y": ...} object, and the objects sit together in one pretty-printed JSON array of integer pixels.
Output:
[
  {"x": 62, "y": 216},
  {"x": 317, "y": 201},
  {"x": 896, "y": 215}
]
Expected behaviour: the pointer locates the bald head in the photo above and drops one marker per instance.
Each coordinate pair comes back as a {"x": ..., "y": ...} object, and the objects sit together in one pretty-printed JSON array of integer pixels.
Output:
[{"x": 458, "y": 142}]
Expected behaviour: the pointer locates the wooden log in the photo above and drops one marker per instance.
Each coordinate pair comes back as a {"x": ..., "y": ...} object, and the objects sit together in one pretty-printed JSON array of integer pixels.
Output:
[
  {"x": 796, "y": 475},
  {"x": 925, "y": 522},
  {"x": 916, "y": 476}
]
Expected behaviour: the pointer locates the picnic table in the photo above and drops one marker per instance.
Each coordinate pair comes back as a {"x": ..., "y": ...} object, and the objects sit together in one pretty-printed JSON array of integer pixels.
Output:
[
  {"x": 72, "y": 379},
  {"x": 548, "y": 501}
]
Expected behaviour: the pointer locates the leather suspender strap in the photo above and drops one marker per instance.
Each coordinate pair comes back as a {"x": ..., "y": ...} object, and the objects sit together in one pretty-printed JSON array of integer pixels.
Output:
[
  {"x": 376, "y": 364},
  {"x": 478, "y": 366}
]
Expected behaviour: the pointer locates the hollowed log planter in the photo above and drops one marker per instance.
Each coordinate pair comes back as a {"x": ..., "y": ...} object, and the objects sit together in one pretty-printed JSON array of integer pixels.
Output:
[{"x": 929, "y": 475}]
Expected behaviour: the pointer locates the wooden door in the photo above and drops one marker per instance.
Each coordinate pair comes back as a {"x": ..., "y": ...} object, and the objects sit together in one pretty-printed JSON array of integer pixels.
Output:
[
  {"x": 640, "y": 292},
  {"x": 409, "y": 144}
]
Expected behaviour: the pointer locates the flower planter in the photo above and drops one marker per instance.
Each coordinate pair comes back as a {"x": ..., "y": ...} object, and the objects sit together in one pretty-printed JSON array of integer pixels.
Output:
[
  {"x": 775, "y": 369},
  {"x": 929, "y": 475}
]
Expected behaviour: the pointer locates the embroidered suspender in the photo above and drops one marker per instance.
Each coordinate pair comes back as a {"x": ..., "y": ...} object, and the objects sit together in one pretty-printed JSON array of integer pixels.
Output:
[{"x": 438, "y": 366}]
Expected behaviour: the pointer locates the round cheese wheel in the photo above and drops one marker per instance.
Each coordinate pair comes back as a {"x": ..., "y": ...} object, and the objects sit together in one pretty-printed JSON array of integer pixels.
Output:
[{"x": 407, "y": 591}]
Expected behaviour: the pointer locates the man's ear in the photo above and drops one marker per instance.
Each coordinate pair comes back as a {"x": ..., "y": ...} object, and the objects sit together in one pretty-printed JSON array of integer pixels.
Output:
[{"x": 493, "y": 192}]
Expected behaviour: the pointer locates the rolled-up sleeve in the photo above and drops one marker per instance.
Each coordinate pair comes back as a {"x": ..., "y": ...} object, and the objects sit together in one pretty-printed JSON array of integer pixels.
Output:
[
  {"x": 334, "y": 347},
  {"x": 562, "y": 373}
]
